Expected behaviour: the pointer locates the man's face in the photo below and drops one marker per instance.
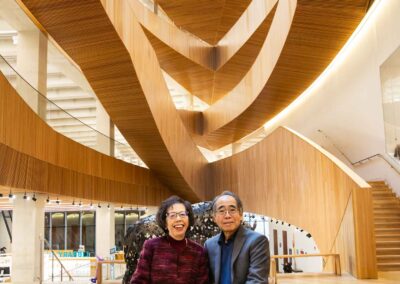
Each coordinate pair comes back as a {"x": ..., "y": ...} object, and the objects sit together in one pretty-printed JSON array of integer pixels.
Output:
[{"x": 227, "y": 214}]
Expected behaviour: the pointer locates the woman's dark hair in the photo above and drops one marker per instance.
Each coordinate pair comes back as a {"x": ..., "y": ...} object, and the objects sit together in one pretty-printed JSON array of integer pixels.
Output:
[{"x": 162, "y": 211}]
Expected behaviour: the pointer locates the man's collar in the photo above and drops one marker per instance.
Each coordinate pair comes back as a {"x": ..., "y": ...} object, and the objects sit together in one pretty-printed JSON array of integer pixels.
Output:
[{"x": 221, "y": 239}]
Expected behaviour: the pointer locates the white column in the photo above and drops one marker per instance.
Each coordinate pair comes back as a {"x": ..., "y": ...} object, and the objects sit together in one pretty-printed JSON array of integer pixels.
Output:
[
  {"x": 104, "y": 125},
  {"x": 27, "y": 229},
  {"x": 105, "y": 230},
  {"x": 32, "y": 66}
]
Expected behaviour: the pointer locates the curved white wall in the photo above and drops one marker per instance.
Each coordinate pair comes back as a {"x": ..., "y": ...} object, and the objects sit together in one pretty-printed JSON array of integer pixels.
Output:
[{"x": 347, "y": 104}]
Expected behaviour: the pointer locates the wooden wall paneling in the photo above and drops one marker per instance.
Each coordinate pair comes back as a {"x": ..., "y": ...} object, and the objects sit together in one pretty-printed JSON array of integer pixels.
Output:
[
  {"x": 345, "y": 241},
  {"x": 289, "y": 179},
  {"x": 242, "y": 30},
  {"x": 364, "y": 233},
  {"x": 208, "y": 84},
  {"x": 36, "y": 158},
  {"x": 246, "y": 91},
  {"x": 29, "y": 134},
  {"x": 311, "y": 44},
  {"x": 192, "y": 76},
  {"x": 141, "y": 108},
  {"x": 209, "y": 20},
  {"x": 191, "y": 47},
  {"x": 169, "y": 125},
  {"x": 27, "y": 174}
]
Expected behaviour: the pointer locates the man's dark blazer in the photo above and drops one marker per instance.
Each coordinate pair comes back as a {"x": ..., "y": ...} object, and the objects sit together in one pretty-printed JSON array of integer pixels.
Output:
[{"x": 250, "y": 257}]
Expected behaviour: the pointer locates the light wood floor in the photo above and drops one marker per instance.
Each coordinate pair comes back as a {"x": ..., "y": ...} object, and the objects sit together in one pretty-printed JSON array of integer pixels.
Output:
[{"x": 383, "y": 277}]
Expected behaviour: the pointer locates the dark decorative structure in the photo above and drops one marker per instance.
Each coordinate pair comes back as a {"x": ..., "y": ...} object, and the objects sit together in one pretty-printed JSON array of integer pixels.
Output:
[{"x": 203, "y": 228}]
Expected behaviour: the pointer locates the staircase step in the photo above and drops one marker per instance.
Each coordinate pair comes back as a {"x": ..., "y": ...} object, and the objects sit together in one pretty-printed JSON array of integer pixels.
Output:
[
  {"x": 378, "y": 201},
  {"x": 376, "y": 182},
  {"x": 389, "y": 266},
  {"x": 388, "y": 259},
  {"x": 388, "y": 244},
  {"x": 387, "y": 237},
  {"x": 386, "y": 213},
  {"x": 387, "y": 230},
  {"x": 393, "y": 205},
  {"x": 388, "y": 251},
  {"x": 381, "y": 193},
  {"x": 388, "y": 224}
]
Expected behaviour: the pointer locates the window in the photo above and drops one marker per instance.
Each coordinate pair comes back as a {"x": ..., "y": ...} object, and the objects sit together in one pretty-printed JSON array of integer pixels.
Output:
[
  {"x": 58, "y": 230},
  {"x": 73, "y": 230}
]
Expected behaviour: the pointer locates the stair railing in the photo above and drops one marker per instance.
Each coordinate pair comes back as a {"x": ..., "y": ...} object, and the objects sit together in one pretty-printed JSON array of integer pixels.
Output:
[
  {"x": 55, "y": 256},
  {"x": 378, "y": 155},
  {"x": 6, "y": 223}
]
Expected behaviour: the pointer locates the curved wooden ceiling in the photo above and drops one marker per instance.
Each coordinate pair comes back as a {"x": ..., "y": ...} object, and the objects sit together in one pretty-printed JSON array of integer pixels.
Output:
[
  {"x": 121, "y": 65},
  {"x": 208, "y": 20},
  {"x": 141, "y": 108},
  {"x": 254, "y": 83}
]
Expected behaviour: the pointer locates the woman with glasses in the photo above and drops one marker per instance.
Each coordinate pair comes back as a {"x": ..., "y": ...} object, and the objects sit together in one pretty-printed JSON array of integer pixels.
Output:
[{"x": 172, "y": 258}]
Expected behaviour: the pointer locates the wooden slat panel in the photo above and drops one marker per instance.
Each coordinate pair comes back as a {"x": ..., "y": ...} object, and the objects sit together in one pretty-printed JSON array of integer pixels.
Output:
[
  {"x": 209, "y": 20},
  {"x": 318, "y": 31},
  {"x": 345, "y": 241},
  {"x": 186, "y": 44},
  {"x": 36, "y": 158},
  {"x": 364, "y": 234},
  {"x": 178, "y": 53},
  {"x": 141, "y": 108},
  {"x": 287, "y": 178}
]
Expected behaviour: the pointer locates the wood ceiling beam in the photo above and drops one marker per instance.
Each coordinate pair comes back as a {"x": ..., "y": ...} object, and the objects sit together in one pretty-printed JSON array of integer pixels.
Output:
[
  {"x": 128, "y": 81},
  {"x": 208, "y": 20},
  {"x": 211, "y": 85},
  {"x": 317, "y": 32}
]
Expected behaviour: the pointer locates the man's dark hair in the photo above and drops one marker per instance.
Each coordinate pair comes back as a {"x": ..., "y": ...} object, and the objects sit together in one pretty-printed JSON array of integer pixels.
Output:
[
  {"x": 228, "y": 193},
  {"x": 162, "y": 211}
]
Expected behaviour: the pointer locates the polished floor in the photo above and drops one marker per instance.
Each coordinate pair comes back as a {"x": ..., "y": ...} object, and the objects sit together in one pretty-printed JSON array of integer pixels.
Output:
[{"x": 383, "y": 278}]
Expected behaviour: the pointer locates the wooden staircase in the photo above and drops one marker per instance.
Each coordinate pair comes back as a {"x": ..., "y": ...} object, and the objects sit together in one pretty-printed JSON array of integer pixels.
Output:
[{"x": 387, "y": 227}]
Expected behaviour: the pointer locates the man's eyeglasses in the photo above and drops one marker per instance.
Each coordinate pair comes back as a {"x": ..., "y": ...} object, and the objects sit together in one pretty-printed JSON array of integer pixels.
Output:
[
  {"x": 231, "y": 211},
  {"x": 174, "y": 215}
]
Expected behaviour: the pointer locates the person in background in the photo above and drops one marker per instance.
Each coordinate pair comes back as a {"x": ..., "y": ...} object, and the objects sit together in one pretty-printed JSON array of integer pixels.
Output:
[
  {"x": 172, "y": 258},
  {"x": 237, "y": 255}
]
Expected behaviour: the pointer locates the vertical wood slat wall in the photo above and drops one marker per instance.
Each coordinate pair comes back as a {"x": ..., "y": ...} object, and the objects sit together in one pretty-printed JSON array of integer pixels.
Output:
[
  {"x": 35, "y": 157},
  {"x": 286, "y": 178}
]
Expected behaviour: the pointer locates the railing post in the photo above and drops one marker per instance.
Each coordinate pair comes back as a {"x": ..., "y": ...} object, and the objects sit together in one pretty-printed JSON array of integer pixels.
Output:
[
  {"x": 52, "y": 268},
  {"x": 41, "y": 249}
]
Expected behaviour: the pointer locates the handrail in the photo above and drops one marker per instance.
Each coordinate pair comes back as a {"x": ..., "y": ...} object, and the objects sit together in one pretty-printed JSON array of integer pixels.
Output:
[
  {"x": 62, "y": 266},
  {"x": 362, "y": 160},
  {"x": 53, "y": 103}
]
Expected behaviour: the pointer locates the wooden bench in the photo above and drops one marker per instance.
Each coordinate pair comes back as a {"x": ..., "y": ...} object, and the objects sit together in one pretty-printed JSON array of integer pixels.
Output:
[{"x": 273, "y": 272}]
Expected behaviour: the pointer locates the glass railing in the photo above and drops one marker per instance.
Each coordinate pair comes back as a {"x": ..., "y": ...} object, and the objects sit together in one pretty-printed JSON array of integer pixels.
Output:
[{"x": 64, "y": 122}]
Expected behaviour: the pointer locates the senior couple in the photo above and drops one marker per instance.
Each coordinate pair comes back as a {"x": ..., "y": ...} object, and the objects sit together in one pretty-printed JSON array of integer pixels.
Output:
[{"x": 236, "y": 255}]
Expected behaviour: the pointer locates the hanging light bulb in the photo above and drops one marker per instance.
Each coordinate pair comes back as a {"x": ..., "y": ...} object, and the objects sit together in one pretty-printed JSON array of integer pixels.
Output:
[{"x": 34, "y": 197}]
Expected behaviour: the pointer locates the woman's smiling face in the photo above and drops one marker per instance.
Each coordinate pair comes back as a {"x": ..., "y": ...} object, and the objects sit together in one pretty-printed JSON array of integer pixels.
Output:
[{"x": 177, "y": 221}]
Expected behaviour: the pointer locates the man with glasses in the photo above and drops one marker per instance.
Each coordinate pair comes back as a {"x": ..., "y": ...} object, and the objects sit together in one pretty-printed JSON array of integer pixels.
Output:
[{"x": 236, "y": 255}]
